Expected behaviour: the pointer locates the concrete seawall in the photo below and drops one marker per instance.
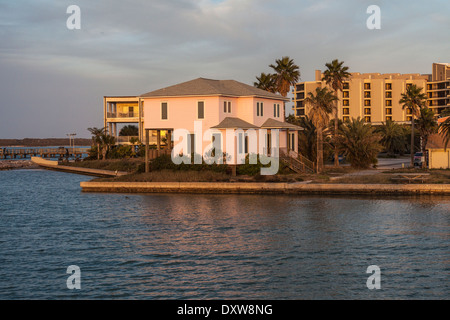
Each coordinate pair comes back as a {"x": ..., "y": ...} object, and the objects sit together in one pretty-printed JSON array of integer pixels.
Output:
[
  {"x": 53, "y": 165},
  {"x": 266, "y": 188}
]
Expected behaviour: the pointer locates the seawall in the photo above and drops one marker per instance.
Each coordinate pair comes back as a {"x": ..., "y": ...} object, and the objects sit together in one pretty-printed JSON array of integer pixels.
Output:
[{"x": 266, "y": 188}]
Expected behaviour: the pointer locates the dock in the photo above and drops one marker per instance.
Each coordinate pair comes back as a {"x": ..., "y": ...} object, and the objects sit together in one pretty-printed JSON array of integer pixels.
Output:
[{"x": 61, "y": 152}]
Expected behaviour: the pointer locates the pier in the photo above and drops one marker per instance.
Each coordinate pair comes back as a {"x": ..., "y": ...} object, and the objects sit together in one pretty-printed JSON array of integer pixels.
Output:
[{"x": 23, "y": 153}]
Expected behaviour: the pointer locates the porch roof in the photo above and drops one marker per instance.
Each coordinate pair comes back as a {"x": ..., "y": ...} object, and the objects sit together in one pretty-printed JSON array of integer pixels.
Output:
[
  {"x": 234, "y": 123},
  {"x": 275, "y": 124}
]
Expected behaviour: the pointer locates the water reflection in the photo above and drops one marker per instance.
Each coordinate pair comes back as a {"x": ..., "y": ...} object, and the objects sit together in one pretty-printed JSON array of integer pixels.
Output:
[{"x": 185, "y": 246}]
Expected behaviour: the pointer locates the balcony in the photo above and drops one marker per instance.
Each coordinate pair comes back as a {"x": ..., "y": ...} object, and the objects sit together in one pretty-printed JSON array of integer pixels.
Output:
[{"x": 122, "y": 115}]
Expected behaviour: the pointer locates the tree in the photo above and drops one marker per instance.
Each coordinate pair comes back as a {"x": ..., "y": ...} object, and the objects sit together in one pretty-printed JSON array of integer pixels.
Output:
[
  {"x": 413, "y": 100},
  {"x": 307, "y": 138},
  {"x": 287, "y": 74},
  {"x": 444, "y": 130},
  {"x": 97, "y": 134},
  {"x": 266, "y": 82},
  {"x": 107, "y": 141},
  {"x": 129, "y": 131},
  {"x": 321, "y": 106},
  {"x": 360, "y": 144},
  {"x": 426, "y": 125},
  {"x": 392, "y": 137},
  {"x": 334, "y": 76}
]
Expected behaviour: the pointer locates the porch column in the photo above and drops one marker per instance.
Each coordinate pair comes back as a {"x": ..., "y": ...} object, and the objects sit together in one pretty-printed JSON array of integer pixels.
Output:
[
  {"x": 158, "y": 141},
  {"x": 169, "y": 139},
  {"x": 147, "y": 138},
  {"x": 288, "y": 141}
]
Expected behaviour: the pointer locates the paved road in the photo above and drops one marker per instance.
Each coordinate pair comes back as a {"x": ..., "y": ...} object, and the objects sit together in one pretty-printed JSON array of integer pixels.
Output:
[{"x": 393, "y": 163}]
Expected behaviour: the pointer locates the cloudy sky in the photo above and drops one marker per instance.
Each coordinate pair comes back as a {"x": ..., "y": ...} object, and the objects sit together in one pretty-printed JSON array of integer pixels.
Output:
[{"x": 52, "y": 79}]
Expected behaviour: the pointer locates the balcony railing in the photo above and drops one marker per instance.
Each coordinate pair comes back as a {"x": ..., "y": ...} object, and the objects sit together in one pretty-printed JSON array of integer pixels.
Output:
[{"x": 122, "y": 115}]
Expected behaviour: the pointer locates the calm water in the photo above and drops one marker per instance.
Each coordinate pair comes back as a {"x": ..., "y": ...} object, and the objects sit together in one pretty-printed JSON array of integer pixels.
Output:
[{"x": 168, "y": 246}]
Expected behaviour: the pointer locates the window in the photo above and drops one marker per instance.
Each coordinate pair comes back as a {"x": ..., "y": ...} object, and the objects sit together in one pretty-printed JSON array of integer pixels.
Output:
[
  {"x": 276, "y": 110},
  {"x": 346, "y": 102},
  {"x": 346, "y": 85},
  {"x": 366, "y": 86},
  {"x": 292, "y": 141},
  {"x": 217, "y": 144},
  {"x": 259, "y": 109},
  {"x": 346, "y": 94},
  {"x": 367, "y": 111},
  {"x": 367, "y": 103},
  {"x": 389, "y": 94},
  {"x": 388, "y": 118},
  {"x": 227, "y": 106},
  {"x": 367, "y": 119},
  {"x": 345, "y": 111},
  {"x": 388, "y": 103},
  {"x": 366, "y": 94},
  {"x": 388, "y": 86},
  {"x": 300, "y": 112},
  {"x": 346, "y": 118},
  {"x": 201, "y": 110},
  {"x": 408, "y": 111},
  {"x": 388, "y": 110},
  {"x": 164, "y": 111},
  {"x": 408, "y": 118},
  {"x": 408, "y": 85}
]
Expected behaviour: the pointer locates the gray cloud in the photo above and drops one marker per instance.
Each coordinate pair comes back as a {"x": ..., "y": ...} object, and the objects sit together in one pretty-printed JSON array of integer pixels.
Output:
[{"x": 57, "y": 77}]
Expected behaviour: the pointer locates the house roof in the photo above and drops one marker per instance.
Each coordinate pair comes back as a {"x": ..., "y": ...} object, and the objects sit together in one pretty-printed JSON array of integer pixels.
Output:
[
  {"x": 435, "y": 141},
  {"x": 275, "y": 124},
  {"x": 234, "y": 123},
  {"x": 209, "y": 87}
]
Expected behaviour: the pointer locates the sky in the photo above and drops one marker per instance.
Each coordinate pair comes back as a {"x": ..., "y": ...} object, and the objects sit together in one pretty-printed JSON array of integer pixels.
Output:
[{"x": 53, "y": 79}]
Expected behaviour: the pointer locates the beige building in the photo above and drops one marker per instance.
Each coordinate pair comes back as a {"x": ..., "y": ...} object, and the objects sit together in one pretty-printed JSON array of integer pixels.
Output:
[
  {"x": 375, "y": 97},
  {"x": 438, "y": 154}
]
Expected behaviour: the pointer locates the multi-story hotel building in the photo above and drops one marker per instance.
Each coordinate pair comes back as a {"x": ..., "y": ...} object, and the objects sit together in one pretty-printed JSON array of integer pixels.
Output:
[{"x": 375, "y": 97}]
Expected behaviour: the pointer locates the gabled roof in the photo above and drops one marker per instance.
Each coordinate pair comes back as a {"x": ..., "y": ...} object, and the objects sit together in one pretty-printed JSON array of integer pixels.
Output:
[
  {"x": 436, "y": 141},
  {"x": 275, "y": 124},
  {"x": 209, "y": 87},
  {"x": 234, "y": 123}
]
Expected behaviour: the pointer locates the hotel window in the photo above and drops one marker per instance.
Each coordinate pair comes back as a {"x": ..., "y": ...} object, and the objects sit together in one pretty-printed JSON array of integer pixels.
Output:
[
  {"x": 346, "y": 94},
  {"x": 346, "y": 86},
  {"x": 201, "y": 110},
  {"x": 408, "y": 85},
  {"x": 389, "y": 103},
  {"x": 408, "y": 118},
  {"x": 367, "y": 111},
  {"x": 367, "y": 103},
  {"x": 345, "y": 102},
  {"x": 367, "y": 119},
  {"x": 164, "y": 111},
  {"x": 408, "y": 111},
  {"x": 346, "y": 118},
  {"x": 345, "y": 111},
  {"x": 260, "y": 109},
  {"x": 366, "y": 94},
  {"x": 276, "y": 110},
  {"x": 366, "y": 86},
  {"x": 388, "y": 118},
  {"x": 388, "y": 110},
  {"x": 389, "y": 94},
  {"x": 388, "y": 86},
  {"x": 300, "y": 112}
]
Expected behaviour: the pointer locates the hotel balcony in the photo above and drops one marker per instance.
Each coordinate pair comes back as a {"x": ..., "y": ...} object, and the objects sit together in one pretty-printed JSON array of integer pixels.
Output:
[{"x": 126, "y": 115}]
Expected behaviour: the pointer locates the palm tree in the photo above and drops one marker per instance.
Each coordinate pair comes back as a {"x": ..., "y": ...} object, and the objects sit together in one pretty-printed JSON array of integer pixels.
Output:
[
  {"x": 107, "y": 141},
  {"x": 426, "y": 125},
  {"x": 266, "y": 82},
  {"x": 321, "y": 107},
  {"x": 413, "y": 100},
  {"x": 287, "y": 74},
  {"x": 307, "y": 138},
  {"x": 97, "y": 134},
  {"x": 334, "y": 76},
  {"x": 444, "y": 130},
  {"x": 392, "y": 137},
  {"x": 359, "y": 143}
]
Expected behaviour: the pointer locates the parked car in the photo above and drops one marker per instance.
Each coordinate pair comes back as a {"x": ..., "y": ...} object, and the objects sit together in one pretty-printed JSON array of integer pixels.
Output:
[{"x": 418, "y": 159}]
